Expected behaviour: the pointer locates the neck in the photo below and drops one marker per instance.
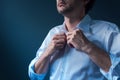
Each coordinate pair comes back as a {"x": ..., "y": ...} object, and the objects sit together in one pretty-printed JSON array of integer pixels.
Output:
[{"x": 72, "y": 20}]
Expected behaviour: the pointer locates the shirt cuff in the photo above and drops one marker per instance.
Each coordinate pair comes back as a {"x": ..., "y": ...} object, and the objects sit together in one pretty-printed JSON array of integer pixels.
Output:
[
  {"x": 35, "y": 76},
  {"x": 112, "y": 74}
]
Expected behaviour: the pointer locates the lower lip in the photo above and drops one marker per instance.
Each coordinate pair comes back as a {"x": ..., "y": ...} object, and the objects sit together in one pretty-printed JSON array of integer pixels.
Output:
[{"x": 61, "y": 4}]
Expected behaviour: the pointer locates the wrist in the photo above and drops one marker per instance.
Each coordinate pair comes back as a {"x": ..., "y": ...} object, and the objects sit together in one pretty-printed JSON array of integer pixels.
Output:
[{"x": 89, "y": 48}]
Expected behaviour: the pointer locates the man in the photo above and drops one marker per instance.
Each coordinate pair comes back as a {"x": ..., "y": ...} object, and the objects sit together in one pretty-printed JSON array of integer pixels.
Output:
[{"x": 80, "y": 48}]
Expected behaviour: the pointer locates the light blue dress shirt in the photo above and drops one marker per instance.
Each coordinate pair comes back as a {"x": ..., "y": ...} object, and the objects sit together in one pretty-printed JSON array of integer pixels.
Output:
[{"x": 76, "y": 65}]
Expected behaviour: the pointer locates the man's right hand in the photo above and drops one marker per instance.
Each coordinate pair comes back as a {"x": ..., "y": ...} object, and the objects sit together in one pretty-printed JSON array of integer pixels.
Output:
[{"x": 58, "y": 42}]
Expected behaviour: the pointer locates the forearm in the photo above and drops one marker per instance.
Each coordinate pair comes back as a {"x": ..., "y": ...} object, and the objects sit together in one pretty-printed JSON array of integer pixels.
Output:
[
  {"x": 42, "y": 65},
  {"x": 99, "y": 57},
  {"x": 58, "y": 42}
]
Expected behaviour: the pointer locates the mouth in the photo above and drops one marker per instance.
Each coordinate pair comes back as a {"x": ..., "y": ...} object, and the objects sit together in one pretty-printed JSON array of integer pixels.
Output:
[{"x": 61, "y": 3}]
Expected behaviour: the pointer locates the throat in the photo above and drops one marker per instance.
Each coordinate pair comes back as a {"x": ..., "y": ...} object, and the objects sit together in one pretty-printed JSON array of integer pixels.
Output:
[
  {"x": 72, "y": 22},
  {"x": 70, "y": 27}
]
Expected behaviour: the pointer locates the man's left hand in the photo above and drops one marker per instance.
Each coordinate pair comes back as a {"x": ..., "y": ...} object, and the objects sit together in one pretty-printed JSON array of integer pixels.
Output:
[{"x": 78, "y": 40}]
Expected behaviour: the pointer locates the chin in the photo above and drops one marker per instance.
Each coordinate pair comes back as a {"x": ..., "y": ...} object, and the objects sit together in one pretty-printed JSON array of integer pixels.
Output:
[
  {"x": 61, "y": 11},
  {"x": 65, "y": 10}
]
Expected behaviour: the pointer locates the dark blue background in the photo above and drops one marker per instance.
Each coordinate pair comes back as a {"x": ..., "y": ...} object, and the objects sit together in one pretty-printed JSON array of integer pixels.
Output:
[{"x": 25, "y": 23}]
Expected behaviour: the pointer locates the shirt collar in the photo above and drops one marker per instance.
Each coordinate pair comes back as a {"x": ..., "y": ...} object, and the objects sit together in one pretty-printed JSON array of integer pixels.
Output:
[{"x": 83, "y": 25}]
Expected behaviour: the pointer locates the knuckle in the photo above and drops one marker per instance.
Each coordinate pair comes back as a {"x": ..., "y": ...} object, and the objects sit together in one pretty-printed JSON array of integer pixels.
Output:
[
  {"x": 54, "y": 42},
  {"x": 73, "y": 36},
  {"x": 77, "y": 31},
  {"x": 63, "y": 40},
  {"x": 71, "y": 40},
  {"x": 56, "y": 35}
]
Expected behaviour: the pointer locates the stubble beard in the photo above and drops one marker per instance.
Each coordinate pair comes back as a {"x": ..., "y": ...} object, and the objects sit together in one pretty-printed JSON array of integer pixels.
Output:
[{"x": 65, "y": 10}]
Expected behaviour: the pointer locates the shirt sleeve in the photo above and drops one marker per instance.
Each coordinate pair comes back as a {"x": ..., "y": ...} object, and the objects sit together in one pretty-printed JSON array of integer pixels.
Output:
[
  {"x": 113, "y": 48},
  {"x": 31, "y": 72}
]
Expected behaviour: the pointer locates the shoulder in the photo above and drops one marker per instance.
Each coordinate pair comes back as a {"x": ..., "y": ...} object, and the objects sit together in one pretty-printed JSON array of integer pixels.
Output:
[
  {"x": 49, "y": 36},
  {"x": 100, "y": 25},
  {"x": 55, "y": 29}
]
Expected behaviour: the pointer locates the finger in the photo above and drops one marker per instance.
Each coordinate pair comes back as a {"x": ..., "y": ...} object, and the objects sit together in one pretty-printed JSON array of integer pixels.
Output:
[
  {"x": 68, "y": 33},
  {"x": 60, "y": 41},
  {"x": 78, "y": 30},
  {"x": 59, "y": 37},
  {"x": 70, "y": 43},
  {"x": 61, "y": 34},
  {"x": 69, "y": 37},
  {"x": 59, "y": 46},
  {"x": 56, "y": 43}
]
